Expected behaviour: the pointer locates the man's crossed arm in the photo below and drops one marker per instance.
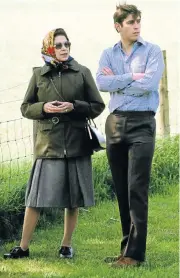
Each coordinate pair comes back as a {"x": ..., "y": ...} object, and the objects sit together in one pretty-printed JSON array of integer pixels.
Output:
[{"x": 136, "y": 84}]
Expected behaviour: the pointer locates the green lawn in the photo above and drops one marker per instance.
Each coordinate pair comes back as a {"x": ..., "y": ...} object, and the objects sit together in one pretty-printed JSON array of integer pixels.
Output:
[{"x": 97, "y": 236}]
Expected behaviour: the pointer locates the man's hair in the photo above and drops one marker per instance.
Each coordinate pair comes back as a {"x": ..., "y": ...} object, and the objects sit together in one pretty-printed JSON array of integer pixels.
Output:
[
  {"x": 60, "y": 32},
  {"x": 123, "y": 11}
]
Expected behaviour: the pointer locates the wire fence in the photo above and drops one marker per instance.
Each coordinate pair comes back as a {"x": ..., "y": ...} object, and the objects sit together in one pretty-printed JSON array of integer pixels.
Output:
[
  {"x": 15, "y": 152},
  {"x": 15, "y": 138}
]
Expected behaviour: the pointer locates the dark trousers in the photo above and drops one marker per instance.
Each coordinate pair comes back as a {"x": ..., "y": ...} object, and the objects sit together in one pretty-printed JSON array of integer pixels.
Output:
[{"x": 130, "y": 148}]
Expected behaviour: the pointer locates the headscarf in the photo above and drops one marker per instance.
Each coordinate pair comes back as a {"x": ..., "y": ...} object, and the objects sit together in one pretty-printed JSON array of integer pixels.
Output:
[{"x": 48, "y": 51}]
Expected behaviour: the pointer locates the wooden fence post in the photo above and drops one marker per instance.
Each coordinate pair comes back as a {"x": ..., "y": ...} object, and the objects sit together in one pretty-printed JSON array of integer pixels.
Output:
[{"x": 164, "y": 102}]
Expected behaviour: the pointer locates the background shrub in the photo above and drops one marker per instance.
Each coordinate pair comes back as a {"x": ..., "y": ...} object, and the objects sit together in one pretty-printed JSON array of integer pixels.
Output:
[
  {"x": 164, "y": 174},
  {"x": 165, "y": 166}
]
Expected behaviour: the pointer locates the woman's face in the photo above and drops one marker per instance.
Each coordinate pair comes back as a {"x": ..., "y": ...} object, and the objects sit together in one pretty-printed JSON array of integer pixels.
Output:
[{"x": 62, "y": 48}]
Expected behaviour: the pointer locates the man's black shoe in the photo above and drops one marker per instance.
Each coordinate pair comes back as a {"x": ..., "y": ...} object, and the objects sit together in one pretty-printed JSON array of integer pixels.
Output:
[{"x": 16, "y": 253}]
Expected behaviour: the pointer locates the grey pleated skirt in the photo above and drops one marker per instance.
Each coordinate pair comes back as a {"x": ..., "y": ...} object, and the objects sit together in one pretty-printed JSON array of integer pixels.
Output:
[{"x": 63, "y": 183}]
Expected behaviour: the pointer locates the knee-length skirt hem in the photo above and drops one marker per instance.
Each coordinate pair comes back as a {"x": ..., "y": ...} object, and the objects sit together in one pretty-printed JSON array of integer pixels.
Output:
[{"x": 60, "y": 183}]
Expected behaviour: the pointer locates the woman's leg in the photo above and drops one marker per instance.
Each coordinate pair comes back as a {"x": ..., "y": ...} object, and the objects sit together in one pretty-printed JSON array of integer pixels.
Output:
[
  {"x": 30, "y": 221},
  {"x": 70, "y": 221}
]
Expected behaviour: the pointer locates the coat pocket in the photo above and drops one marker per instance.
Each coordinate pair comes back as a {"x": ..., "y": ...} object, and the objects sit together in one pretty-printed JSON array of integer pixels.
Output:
[{"x": 110, "y": 125}]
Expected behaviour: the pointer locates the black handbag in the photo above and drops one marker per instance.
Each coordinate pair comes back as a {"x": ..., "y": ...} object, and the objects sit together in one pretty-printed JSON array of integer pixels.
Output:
[{"x": 97, "y": 139}]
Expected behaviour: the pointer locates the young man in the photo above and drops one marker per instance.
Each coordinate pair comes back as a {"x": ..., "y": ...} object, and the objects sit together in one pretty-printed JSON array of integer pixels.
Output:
[{"x": 131, "y": 71}]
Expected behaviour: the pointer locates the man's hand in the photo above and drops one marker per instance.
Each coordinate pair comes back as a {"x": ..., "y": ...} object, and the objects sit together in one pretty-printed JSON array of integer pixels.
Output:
[
  {"x": 107, "y": 71},
  {"x": 137, "y": 76}
]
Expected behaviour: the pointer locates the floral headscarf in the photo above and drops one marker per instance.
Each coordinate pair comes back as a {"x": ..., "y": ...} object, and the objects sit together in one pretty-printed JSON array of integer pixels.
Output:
[{"x": 48, "y": 52}]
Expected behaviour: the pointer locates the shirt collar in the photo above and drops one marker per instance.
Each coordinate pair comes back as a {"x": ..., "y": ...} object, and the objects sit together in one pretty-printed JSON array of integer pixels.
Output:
[{"x": 139, "y": 41}]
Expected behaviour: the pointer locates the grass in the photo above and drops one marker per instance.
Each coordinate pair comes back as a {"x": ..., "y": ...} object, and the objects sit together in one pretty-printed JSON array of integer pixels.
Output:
[{"x": 96, "y": 237}]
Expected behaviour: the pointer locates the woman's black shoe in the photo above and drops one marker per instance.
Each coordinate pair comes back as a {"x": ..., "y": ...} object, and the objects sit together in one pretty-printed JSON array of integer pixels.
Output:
[
  {"x": 66, "y": 252},
  {"x": 16, "y": 253}
]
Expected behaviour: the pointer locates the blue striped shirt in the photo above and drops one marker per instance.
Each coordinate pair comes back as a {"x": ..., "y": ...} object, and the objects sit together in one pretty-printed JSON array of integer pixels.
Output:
[{"x": 125, "y": 93}]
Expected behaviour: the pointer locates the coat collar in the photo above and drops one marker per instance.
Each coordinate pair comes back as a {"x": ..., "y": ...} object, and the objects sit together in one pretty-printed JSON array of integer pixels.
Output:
[{"x": 72, "y": 65}]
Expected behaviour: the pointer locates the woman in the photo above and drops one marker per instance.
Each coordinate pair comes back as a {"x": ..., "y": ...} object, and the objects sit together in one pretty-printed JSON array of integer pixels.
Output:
[{"x": 61, "y": 96}]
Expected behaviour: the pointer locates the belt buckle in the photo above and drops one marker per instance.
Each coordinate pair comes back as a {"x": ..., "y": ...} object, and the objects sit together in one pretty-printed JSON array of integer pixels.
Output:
[{"x": 55, "y": 120}]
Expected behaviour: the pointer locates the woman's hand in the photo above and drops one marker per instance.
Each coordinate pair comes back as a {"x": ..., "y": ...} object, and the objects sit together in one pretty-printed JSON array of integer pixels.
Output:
[
  {"x": 58, "y": 107},
  {"x": 65, "y": 107}
]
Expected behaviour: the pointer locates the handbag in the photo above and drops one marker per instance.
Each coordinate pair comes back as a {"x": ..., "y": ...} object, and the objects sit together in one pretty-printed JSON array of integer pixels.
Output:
[{"x": 97, "y": 139}]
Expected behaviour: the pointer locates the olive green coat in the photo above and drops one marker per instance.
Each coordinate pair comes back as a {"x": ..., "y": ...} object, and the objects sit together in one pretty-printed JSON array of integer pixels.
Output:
[{"x": 69, "y": 137}]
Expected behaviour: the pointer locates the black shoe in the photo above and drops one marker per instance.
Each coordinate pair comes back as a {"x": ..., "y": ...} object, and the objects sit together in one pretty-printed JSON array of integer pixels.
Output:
[
  {"x": 66, "y": 252},
  {"x": 16, "y": 253}
]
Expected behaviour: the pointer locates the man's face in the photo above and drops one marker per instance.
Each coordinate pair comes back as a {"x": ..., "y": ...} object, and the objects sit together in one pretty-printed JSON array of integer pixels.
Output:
[{"x": 130, "y": 28}]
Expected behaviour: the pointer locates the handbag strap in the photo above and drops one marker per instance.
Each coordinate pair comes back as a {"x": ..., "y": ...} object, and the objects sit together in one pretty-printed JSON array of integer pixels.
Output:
[
  {"x": 56, "y": 89},
  {"x": 90, "y": 121}
]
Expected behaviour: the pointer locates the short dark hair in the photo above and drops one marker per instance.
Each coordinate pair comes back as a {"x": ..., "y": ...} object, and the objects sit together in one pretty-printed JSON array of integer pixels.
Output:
[
  {"x": 60, "y": 32},
  {"x": 123, "y": 11}
]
